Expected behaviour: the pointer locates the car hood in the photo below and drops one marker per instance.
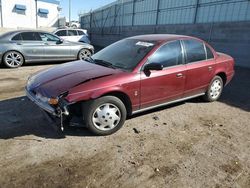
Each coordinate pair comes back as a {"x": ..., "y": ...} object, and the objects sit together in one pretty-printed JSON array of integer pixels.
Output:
[{"x": 54, "y": 81}]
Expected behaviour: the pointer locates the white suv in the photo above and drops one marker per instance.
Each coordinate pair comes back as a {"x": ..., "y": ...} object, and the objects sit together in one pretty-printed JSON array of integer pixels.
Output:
[{"x": 73, "y": 35}]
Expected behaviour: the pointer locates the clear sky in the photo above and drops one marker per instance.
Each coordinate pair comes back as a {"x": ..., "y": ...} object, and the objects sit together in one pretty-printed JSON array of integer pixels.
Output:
[{"x": 78, "y": 6}]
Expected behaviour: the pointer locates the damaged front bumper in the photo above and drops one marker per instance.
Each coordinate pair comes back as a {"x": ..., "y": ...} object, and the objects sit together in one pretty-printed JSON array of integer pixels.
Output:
[
  {"x": 52, "y": 111},
  {"x": 40, "y": 103}
]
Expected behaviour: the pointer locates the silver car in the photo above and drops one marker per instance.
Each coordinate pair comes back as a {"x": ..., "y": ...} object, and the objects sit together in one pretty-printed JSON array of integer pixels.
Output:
[{"x": 19, "y": 47}]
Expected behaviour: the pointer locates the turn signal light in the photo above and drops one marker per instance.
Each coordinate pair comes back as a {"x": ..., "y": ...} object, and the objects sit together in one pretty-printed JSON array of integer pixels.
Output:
[{"x": 53, "y": 101}]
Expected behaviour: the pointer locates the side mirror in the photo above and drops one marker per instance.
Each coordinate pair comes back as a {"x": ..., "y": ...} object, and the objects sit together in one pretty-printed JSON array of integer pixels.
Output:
[
  {"x": 153, "y": 66},
  {"x": 59, "y": 41}
]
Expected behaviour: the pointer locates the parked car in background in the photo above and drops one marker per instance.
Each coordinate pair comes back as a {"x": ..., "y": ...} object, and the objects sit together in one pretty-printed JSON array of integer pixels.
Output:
[
  {"x": 73, "y": 35},
  {"x": 130, "y": 76},
  {"x": 26, "y": 46}
]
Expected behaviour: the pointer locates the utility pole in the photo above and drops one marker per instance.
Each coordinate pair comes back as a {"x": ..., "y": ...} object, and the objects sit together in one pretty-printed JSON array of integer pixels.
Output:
[
  {"x": 69, "y": 11},
  {"x": 1, "y": 9},
  {"x": 36, "y": 15}
]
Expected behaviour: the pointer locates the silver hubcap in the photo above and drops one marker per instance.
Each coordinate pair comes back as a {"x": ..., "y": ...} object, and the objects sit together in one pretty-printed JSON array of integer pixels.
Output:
[
  {"x": 13, "y": 59},
  {"x": 106, "y": 117},
  {"x": 215, "y": 89},
  {"x": 84, "y": 54}
]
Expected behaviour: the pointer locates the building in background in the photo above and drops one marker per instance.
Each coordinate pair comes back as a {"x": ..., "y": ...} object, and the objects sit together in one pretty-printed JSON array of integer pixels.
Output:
[
  {"x": 29, "y": 13},
  {"x": 223, "y": 23}
]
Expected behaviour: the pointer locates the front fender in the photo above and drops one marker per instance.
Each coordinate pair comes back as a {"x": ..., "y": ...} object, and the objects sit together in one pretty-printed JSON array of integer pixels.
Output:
[{"x": 94, "y": 94}]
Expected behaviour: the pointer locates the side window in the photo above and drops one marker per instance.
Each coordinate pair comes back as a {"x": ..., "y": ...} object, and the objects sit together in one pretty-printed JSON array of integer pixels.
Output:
[
  {"x": 72, "y": 33},
  {"x": 168, "y": 55},
  {"x": 210, "y": 54},
  {"x": 48, "y": 37},
  {"x": 31, "y": 36},
  {"x": 194, "y": 50},
  {"x": 61, "y": 33},
  {"x": 80, "y": 32},
  {"x": 17, "y": 37}
]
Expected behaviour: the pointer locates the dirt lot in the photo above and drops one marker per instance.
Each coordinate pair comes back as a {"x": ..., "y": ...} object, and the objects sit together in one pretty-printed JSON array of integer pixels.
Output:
[{"x": 191, "y": 144}]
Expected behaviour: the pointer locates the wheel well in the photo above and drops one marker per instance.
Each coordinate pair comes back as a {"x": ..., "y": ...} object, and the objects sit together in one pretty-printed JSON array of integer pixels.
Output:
[
  {"x": 223, "y": 77},
  {"x": 124, "y": 98},
  {"x": 13, "y": 51}
]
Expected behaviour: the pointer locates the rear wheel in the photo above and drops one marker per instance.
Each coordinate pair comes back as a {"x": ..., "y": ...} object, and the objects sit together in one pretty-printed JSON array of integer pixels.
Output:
[
  {"x": 84, "y": 54},
  {"x": 214, "y": 90},
  {"x": 13, "y": 59},
  {"x": 104, "y": 115}
]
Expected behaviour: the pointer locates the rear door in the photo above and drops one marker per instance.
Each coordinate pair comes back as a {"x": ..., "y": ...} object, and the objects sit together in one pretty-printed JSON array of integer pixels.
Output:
[
  {"x": 30, "y": 44},
  {"x": 168, "y": 84},
  {"x": 200, "y": 67}
]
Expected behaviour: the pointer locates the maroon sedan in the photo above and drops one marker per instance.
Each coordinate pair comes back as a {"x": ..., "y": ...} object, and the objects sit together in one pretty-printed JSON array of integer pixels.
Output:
[{"x": 128, "y": 77}]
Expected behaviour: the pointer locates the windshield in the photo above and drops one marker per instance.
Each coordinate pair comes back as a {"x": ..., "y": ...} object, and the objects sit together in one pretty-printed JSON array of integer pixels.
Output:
[{"x": 124, "y": 54}]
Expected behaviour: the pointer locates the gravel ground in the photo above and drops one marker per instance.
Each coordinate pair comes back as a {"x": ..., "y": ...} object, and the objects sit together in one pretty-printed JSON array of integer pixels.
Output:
[{"x": 190, "y": 144}]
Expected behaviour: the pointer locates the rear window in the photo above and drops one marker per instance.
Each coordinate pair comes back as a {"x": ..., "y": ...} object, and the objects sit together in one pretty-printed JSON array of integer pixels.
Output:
[
  {"x": 61, "y": 33},
  {"x": 194, "y": 51},
  {"x": 80, "y": 32}
]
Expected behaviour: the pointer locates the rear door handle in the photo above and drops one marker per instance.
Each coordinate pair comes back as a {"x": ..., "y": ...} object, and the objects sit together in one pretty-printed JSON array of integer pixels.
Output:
[
  {"x": 210, "y": 68},
  {"x": 179, "y": 75}
]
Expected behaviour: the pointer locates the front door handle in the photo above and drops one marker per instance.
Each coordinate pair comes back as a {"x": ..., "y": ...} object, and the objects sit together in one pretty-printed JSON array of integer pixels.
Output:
[{"x": 179, "y": 75}]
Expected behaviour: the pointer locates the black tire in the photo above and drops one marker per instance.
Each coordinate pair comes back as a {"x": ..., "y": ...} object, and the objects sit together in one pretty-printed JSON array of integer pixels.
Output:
[
  {"x": 210, "y": 96},
  {"x": 17, "y": 57},
  {"x": 90, "y": 113},
  {"x": 84, "y": 54}
]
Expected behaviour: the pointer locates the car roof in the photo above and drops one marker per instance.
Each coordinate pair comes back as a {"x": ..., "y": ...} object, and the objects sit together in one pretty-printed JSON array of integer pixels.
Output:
[
  {"x": 161, "y": 37},
  {"x": 12, "y": 33}
]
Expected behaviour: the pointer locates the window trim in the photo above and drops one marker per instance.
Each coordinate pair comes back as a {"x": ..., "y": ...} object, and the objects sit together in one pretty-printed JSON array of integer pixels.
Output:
[{"x": 161, "y": 45}]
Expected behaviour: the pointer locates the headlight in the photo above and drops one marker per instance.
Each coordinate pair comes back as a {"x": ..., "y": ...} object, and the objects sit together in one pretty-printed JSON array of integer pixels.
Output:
[
  {"x": 52, "y": 101},
  {"x": 29, "y": 82}
]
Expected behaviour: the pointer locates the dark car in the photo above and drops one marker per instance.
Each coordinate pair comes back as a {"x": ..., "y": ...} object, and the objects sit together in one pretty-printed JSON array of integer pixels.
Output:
[
  {"x": 131, "y": 76},
  {"x": 26, "y": 46}
]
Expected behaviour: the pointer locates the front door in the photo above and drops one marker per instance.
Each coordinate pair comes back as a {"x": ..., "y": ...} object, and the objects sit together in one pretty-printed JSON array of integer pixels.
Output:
[
  {"x": 54, "y": 49},
  {"x": 168, "y": 84}
]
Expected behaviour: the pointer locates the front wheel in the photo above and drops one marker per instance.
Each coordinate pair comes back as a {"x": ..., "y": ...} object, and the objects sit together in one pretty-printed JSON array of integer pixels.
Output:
[
  {"x": 214, "y": 90},
  {"x": 84, "y": 54},
  {"x": 104, "y": 115}
]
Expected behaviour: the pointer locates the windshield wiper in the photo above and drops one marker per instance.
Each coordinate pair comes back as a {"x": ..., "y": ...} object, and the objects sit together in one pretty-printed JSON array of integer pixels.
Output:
[
  {"x": 90, "y": 59},
  {"x": 104, "y": 63}
]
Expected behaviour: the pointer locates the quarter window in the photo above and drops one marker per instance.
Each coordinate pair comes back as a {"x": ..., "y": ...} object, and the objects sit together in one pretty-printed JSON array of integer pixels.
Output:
[
  {"x": 61, "y": 33},
  {"x": 168, "y": 55},
  {"x": 194, "y": 51},
  {"x": 210, "y": 54},
  {"x": 17, "y": 37}
]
